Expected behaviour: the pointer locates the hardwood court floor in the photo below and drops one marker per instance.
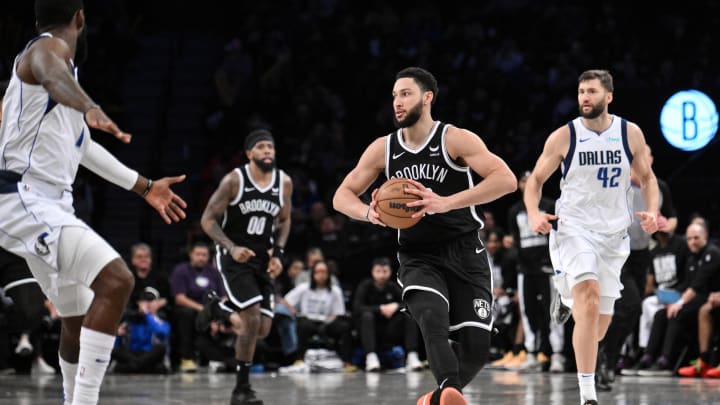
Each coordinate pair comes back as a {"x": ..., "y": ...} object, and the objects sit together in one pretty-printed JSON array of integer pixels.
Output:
[{"x": 490, "y": 387}]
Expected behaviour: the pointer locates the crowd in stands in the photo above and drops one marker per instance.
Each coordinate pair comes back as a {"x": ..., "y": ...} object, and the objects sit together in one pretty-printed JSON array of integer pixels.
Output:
[{"x": 319, "y": 75}]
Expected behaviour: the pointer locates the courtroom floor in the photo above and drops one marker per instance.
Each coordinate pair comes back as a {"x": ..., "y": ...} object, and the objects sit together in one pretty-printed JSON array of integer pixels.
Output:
[{"x": 489, "y": 387}]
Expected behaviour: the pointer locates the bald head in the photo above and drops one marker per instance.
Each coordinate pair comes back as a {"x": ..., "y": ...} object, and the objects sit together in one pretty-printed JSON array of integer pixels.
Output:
[{"x": 696, "y": 236}]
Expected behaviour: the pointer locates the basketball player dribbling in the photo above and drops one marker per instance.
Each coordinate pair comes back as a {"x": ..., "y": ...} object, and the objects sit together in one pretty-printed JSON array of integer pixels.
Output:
[
  {"x": 44, "y": 138},
  {"x": 444, "y": 270},
  {"x": 590, "y": 243}
]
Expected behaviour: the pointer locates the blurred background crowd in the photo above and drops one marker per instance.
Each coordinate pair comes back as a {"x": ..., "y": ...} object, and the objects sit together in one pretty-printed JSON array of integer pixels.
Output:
[{"x": 190, "y": 80}]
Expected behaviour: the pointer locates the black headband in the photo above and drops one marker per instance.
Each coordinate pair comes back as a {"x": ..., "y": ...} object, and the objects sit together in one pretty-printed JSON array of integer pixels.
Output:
[{"x": 257, "y": 136}]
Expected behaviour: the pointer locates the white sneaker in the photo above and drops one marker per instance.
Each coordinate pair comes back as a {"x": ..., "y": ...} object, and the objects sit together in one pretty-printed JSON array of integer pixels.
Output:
[
  {"x": 24, "y": 347},
  {"x": 298, "y": 368},
  {"x": 557, "y": 363},
  {"x": 215, "y": 366},
  {"x": 413, "y": 363},
  {"x": 41, "y": 367},
  {"x": 372, "y": 363}
]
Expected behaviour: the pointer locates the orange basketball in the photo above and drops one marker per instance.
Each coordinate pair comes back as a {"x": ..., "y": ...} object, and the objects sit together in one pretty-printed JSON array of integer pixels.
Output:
[{"x": 391, "y": 199}]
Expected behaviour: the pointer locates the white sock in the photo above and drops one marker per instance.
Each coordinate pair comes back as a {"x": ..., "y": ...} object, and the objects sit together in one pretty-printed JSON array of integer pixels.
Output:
[
  {"x": 95, "y": 350},
  {"x": 68, "y": 371},
  {"x": 586, "y": 381}
]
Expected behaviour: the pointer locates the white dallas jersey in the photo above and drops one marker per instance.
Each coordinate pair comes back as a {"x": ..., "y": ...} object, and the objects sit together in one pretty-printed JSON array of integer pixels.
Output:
[
  {"x": 39, "y": 138},
  {"x": 595, "y": 186}
]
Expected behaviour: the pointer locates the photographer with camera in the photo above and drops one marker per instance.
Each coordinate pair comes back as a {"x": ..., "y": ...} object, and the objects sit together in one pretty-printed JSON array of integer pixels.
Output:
[{"x": 142, "y": 337}]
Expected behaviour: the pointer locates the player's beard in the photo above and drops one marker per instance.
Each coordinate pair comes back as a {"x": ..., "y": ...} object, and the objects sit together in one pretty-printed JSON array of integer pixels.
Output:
[
  {"x": 265, "y": 167},
  {"x": 595, "y": 111},
  {"x": 411, "y": 116}
]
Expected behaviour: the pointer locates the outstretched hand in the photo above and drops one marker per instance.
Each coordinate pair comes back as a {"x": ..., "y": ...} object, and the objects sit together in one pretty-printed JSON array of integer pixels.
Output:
[
  {"x": 168, "y": 204},
  {"x": 96, "y": 118}
]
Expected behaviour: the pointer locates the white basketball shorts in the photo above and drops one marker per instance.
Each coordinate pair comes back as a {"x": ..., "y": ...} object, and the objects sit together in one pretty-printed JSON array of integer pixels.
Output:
[
  {"x": 62, "y": 252},
  {"x": 579, "y": 254}
]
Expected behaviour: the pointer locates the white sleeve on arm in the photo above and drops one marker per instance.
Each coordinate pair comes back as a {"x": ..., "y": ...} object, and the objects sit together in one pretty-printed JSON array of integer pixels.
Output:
[{"x": 101, "y": 162}]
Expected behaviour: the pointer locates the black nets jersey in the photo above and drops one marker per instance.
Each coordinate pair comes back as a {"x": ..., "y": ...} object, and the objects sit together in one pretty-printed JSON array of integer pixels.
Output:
[
  {"x": 431, "y": 165},
  {"x": 249, "y": 219}
]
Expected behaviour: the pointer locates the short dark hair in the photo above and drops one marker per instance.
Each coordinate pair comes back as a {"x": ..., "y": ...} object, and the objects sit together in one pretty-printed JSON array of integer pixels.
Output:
[
  {"x": 381, "y": 261},
  {"x": 52, "y": 13},
  {"x": 199, "y": 244},
  {"x": 603, "y": 75},
  {"x": 422, "y": 77}
]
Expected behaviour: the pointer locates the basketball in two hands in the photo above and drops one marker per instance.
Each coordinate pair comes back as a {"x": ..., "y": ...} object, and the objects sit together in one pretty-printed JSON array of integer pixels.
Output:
[{"x": 391, "y": 199}]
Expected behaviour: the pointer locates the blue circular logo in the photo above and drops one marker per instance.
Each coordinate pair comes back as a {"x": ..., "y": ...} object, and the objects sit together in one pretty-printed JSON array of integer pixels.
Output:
[{"x": 689, "y": 120}]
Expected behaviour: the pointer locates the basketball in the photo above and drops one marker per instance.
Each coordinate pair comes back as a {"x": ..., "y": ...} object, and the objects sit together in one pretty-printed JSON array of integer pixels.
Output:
[{"x": 391, "y": 199}]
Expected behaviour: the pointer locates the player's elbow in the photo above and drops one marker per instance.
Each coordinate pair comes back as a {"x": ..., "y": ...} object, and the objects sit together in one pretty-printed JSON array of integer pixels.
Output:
[
  {"x": 509, "y": 183},
  {"x": 206, "y": 223},
  {"x": 337, "y": 200}
]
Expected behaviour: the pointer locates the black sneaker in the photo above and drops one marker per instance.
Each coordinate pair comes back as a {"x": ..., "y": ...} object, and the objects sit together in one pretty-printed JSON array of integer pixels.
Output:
[
  {"x": 604, "y": 373},
  {"x": 660, "y": 368},
  {"x": 559, "y": 312},
  {"x": 590, "y": 402},
  {"x": 601, "y": 384},
  {"x": 245, "y": 396},
  {"x": 644, "y": 363}
]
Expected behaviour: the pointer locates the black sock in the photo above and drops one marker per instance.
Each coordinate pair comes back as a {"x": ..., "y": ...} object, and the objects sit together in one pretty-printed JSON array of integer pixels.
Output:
[
  {"x": 705, "y": 356},
  {"x": 242, "y": 374},
  {"x": 517, "y": 348},
  {"x": 435, "y": 398}
]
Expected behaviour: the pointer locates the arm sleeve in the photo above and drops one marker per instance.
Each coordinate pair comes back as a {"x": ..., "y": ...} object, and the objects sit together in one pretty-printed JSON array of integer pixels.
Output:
[{"x": 101, "y": 162}]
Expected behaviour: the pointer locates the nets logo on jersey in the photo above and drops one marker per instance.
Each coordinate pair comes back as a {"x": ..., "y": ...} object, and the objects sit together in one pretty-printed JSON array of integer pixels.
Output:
[{"x": 481, "y": 308}]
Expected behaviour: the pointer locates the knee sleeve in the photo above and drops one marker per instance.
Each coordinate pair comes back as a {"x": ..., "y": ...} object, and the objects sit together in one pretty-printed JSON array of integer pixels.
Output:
[
  {"x": 473, "y": 350},
  {"x": 430, "y": 312}
]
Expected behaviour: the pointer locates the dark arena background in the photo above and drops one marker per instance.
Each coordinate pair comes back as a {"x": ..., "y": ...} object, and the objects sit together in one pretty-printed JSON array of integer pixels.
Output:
[{"x": 189, "y": 80}]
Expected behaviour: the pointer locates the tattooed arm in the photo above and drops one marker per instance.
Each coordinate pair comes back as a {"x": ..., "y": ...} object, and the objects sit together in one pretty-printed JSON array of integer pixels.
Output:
[{"x": 228, "y": 188}]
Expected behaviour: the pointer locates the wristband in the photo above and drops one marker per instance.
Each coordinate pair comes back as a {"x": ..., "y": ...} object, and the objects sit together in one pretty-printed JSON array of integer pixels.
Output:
[
  {"x": 278, "y": 251},
  {"x": 147, "y": 188}
]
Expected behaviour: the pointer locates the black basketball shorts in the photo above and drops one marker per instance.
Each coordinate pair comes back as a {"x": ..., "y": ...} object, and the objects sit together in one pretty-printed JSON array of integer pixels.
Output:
[
  {"x": 247, "y": 284},
  {"x": 459, "y": 272}
]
